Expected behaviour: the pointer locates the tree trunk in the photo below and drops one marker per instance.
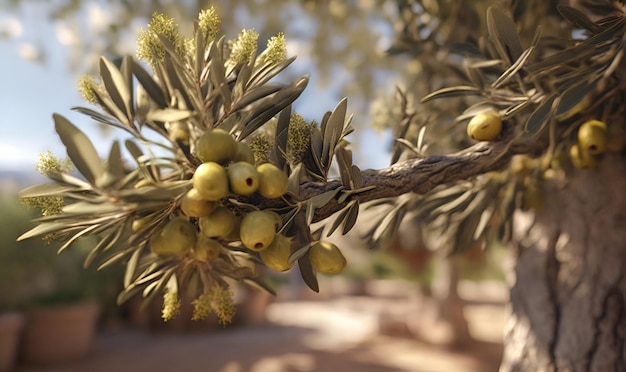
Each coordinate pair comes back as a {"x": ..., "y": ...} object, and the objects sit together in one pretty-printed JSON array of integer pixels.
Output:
[{"x": 567, "y": 310}]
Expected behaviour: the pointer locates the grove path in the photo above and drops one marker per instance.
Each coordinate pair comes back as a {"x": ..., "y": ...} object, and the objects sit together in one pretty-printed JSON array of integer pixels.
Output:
[{"x": 339, "y": 334}]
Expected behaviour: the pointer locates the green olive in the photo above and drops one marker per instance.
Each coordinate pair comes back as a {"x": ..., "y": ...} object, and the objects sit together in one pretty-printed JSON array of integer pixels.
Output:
[
  {"x": 139, "y": 223},
  {"x": 257, "y": 230},
  {"x": 216, "y": 145},
  {"x": 276, "y": 255},
  {"x": 272, "y": 181},
  {"x": 178, "y": 131},
  {"x": 327, "y": 258},
  {"x": 218, "y": 224},
  {"x": 243, "y": 178},
  {"x": 582, "y": 159},
  {"x": 592, "y": 137},
  {"x": 485, "y": 126},
  {"x": 211, "y": 181},
  {"x": 177, "y": 237},
  {"x": 206, "y": 249},
  {"x": 194, "y": 205}
]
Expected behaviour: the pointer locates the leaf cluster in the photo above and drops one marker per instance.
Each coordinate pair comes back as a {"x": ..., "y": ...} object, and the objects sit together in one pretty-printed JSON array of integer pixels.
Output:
[
  {"x": 125, "y": 198},
  {"x": 543, "y": 92}
]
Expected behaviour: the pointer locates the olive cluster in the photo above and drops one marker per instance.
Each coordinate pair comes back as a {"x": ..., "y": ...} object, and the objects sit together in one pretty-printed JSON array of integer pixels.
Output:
[
  {"x": 594, "y": 138},
  {"x": 227, "y": 168}
]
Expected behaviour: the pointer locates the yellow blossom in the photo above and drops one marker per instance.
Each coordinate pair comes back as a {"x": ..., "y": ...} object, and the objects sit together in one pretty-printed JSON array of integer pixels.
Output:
[
  {"x": 261, "y": 145},
  {"x": 149, "y": 46},
  {"x": 298, "y": 137},
  {"x": 49, "y": 205},
  {"x": 87, "y": 87},
  {"x": 242, "y": 49},
  {"x": 171, "y": 306},
  {"x": 209, "y": 23},
  {"x": 276, "y": 50},
  {"x": 201, "y": 307},
  {"x": 49, "y": 163},
  {"x": 222, "y": 303},
  {"x": 218, "y": 299}
]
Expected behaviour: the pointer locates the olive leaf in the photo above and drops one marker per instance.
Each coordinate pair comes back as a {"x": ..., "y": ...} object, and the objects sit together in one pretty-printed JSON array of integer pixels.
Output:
[
  {"x": 578, "y": 18},
  {"x": 79, "y": 148},
  {"x": 346, "y": 218},
  {"x": 101, "y": 118},
  {"x": 319, "y": 201},
  {"x": 269, "y": 106},
  {"x": 503, "y": 33},
  {"x": 279, "y": 151},
  {"x": 46, "y": 189},
  {"x": 539, "y": 118},
  {"x": 168, "y": 115},
  {"x": 299, "y": 253},
  {"x": 514, "y": 69},
  {"x": 332, "y": 130},
  {"x": 573, "y": 96},
  {"x": 461, "y": 90},
  {"x": 117, "y": 87},
  {"x": 114, "y": 170},
  {"x": 301, "y": 238},
  {"x": 152, "y": 88},
  {"x": 267, "y": 72}
]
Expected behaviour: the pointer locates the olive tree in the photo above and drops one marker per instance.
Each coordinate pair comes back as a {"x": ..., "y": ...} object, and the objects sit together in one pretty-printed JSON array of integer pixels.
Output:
[{"x": 539, "y": 166}]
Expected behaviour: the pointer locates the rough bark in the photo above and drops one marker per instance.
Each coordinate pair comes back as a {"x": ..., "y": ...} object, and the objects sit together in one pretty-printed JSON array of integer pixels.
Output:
[{"x": 567, "y": 309}]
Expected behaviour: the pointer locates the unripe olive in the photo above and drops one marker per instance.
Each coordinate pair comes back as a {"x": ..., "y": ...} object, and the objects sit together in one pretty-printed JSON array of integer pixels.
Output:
[
  {"x": 178, "y": 131},
  {"x": 244, "y": 153},
  {"x": 521, "y": 165},
  {"x": 194, "y": 205},
  {"x": 218, "y": 224},
  {"x": 243, "y": 178},
  {"x": 216, "y": 145},
  {"x": 592, "y": 137},
  {"x": 139, "y": 223},
  {"x": 177, "y": 237},
  {"x": 276, "y": 255},
  {"x": 582, "y": 159},
  {"x": 211, "y": 181},
  {"x": 206, "y": 249},
  {"x": 485, "y": 126},
  {"x": 327, "y": 258},
  {"x": 272, "y": 181},
  {"x": 257, "y": 230}
]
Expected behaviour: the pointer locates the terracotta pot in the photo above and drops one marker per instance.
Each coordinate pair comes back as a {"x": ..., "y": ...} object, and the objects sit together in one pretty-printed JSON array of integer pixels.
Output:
[
  {"x": 59, "y": 333},
  {"x": 11, "y": 325}
]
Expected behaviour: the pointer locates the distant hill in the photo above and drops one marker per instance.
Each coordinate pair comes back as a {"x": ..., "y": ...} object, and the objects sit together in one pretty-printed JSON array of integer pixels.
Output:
[{"x": 11, "y": 181}]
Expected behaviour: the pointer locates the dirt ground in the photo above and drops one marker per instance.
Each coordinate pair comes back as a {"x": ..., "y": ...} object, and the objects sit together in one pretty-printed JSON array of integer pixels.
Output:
[{"x": 343, "y": 333}]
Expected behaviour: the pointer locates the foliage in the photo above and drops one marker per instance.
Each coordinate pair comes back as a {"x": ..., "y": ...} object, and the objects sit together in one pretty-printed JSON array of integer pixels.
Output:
[
  {"x": 541, "y": 81},
  {"x": 198, "y": 85}
]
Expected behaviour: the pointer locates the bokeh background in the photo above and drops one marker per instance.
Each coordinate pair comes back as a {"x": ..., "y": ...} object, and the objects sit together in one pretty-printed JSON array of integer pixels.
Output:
[{"x": 390, "y": 311}]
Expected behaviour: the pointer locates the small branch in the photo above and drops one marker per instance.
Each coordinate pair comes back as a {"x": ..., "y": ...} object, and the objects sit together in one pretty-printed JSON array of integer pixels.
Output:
[{"x": 418, "y": 175}]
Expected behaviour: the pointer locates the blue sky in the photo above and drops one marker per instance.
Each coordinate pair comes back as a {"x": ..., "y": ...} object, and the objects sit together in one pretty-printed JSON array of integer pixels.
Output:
[{"x": 32, "y": 91}]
